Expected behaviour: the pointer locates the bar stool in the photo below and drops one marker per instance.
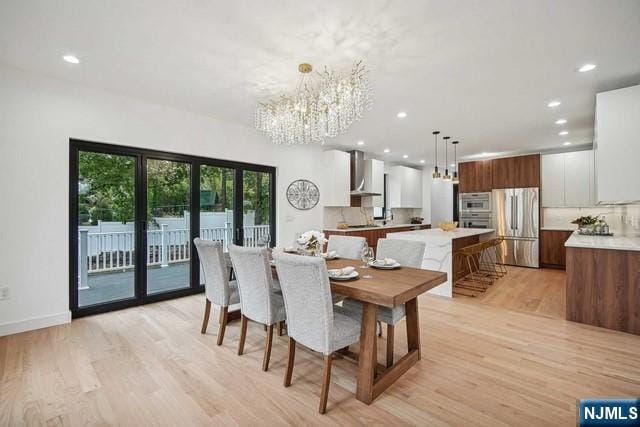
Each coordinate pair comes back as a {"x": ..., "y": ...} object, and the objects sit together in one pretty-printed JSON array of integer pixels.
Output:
[{"x": 479, "y": 276}]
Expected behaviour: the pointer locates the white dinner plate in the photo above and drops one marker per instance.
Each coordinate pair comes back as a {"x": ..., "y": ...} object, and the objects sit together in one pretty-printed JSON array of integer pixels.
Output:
[
  {"x": 382, "y": 266},
  {"x": 349, "y": 276}
]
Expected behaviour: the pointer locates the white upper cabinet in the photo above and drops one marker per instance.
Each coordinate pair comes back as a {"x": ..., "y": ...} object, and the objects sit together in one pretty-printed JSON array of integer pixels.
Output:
[
  {"x": 405, "y": 187},
  {"x": 337, "y": 179},
  {"x": 567, "y": 179},
  {"x": 374, "y": 182},
  {"x": 577, "y": 178},
  {"x": 552, "y": 180},
  {"x": 617, "y": 144}
]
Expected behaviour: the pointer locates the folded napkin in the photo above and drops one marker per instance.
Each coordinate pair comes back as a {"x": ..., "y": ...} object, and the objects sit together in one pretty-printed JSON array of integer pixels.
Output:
[
  {"x": 341, "y": 271},
  {"x": 386, "y": 261},
  {"x": 330, "y": 254}
]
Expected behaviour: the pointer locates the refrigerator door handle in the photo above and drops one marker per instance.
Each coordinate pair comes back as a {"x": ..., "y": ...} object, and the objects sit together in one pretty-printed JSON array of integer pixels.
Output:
[
  {"x": 512, "y": 215},
  {"x": 515, "y": 208}
]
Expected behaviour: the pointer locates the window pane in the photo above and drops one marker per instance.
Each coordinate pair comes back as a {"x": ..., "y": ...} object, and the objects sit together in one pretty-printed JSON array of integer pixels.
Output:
[
  {"x": 256, "y": 208},
  {"x": 106, "y": 228},
  {"x": 168, "y": 230}
]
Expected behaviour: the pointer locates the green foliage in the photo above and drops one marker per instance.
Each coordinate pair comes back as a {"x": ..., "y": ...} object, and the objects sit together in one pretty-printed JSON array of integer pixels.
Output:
[{"x": 107, "y": 189}]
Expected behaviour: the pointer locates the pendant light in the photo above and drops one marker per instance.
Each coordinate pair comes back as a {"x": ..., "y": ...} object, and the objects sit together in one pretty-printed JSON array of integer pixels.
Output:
[
  {"x": 446, "y": 176},
  {"x": 456, "y": 179},
  {"x": 436, "y": 174}
]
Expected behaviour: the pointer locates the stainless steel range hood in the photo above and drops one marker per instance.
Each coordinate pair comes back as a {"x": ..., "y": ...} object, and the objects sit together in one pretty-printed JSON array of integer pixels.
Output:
[{"x": 359, "y": 184}]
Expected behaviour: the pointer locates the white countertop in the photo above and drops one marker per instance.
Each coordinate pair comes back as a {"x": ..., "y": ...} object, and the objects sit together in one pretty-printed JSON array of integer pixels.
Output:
[
  {"x": 558, "y": 228},
  {"x": 621, "y": 242},
  {"x": 436, "y": 234},
  {"x": 380, "y": 227}
]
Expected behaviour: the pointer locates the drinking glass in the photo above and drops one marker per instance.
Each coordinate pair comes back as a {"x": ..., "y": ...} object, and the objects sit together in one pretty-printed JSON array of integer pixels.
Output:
[{"x": 367, "y": 257}]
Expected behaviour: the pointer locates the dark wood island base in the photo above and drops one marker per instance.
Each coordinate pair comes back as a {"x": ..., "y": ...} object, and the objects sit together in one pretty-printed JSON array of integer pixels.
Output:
[{"x": 603, "y": 288}]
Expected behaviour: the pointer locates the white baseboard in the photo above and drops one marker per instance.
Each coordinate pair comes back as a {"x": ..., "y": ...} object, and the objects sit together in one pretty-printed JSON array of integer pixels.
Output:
[{"x": 35, "y": 323}]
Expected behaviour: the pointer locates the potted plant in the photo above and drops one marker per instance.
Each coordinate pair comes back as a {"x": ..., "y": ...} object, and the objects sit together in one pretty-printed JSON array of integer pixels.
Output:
[
  {"x": 585, "y": 223},
  {"x": 311, "y": 242}
]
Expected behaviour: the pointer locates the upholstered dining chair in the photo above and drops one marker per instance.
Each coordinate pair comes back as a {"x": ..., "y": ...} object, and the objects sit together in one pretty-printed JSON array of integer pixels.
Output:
[
  {"x": 347, "y": 246},
  {"x": 217, "y": 287},
  {"x": 312, "y": 319},
  {"x": 260, "y": 300},
  {"x": 408, "y": 253}
]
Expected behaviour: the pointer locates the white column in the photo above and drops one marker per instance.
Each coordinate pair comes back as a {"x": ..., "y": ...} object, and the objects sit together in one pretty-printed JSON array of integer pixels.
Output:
[
  {"x": 164, "y": 245},
  {"x": 83, "y": 266}
]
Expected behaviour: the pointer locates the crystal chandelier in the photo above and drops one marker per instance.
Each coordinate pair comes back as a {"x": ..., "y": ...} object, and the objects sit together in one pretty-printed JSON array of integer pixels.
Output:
[{"x": 316, "y": 112}]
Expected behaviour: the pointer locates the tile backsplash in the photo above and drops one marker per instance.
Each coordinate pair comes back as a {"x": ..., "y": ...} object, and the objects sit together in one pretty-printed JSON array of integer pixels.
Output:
[
  {"x": 357, "y": 216},
  {"x": 621, "y": 218}
]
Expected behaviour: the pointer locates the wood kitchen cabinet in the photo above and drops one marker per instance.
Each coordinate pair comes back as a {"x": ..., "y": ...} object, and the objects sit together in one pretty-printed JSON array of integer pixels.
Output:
[
  {"x": 475, "y": 177},
  {"x": 372, "y": 235},
  {"x": 552, "y": 250},
  {"x": 516, "y": 172}
]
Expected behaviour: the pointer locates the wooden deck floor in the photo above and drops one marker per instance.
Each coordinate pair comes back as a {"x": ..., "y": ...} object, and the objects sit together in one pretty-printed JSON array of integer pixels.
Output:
[{"x": 481, "y": 365}]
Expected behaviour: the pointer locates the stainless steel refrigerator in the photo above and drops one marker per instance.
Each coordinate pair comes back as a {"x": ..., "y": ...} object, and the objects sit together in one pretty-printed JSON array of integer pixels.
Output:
[{"x": 516, "y": 218}]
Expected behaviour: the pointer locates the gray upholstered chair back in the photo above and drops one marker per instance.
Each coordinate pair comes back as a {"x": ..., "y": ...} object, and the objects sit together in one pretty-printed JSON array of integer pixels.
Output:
[
  {"x": 307, "y": 300},
  {"x": 216, "y": 273},
  {"x": 347, "y": 246},
  {"x": 407, "y": 252},
  {"x": 255, "y": 282}
]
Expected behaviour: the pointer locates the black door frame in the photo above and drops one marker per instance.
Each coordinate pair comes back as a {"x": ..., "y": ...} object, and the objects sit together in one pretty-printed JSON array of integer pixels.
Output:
[{"x": 141, "y": 155}]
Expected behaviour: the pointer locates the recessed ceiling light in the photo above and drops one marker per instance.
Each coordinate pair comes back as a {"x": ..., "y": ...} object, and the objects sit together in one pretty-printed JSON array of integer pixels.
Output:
[
  {"x": 405, "y": 156},
  {"x": 421, "y": 161},
  {"x": 566, "y": 143},
  {"x": 587, "y": 67},
  {"x": 563, "y": 133},
  {"x": 561, "y": 121},
  {"x": 553, "y": 104},
  {"x": 72, "y": 59},
  {"x": 386, "y": 150},
  {"x": 402, "y": 115},
  {"x": 360, "y": 143}
]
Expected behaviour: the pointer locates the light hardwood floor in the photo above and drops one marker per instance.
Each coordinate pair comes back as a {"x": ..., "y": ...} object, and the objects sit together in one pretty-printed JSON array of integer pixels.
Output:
[
  {"x": 481, "y": 365},
  {"x": 540, "y": 291}
]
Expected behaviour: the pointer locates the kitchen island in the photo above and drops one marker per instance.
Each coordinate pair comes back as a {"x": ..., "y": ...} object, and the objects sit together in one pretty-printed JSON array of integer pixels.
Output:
[
  {"x": 440, "y": 251},
  {"x": 603, "y": 281}
]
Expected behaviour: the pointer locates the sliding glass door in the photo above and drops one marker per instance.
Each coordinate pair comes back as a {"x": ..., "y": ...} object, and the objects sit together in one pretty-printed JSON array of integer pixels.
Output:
[
  {"x": 134, "y": 214},
  {"x": 168, "y": 225},
  {"x": 106, "y": 228}
]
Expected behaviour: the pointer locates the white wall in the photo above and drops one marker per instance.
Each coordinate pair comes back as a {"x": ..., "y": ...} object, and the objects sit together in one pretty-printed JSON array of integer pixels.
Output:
[{"x": 38, "y": 115}]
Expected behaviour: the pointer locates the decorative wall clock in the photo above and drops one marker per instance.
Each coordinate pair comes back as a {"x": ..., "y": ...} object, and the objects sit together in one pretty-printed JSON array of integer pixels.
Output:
[{"x": 303, "y": 194}]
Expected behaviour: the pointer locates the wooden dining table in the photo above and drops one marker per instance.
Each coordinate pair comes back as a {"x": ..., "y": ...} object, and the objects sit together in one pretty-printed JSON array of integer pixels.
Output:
[{"x": 387, "y": 288}]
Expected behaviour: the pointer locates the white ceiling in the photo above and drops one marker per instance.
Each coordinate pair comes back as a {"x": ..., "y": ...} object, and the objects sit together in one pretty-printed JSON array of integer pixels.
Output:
[{"x": 480, "y": 71}]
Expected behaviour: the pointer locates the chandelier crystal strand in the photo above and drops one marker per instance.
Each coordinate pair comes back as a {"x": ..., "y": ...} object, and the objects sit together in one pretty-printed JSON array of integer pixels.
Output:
[{"x": 315, "y": 113}]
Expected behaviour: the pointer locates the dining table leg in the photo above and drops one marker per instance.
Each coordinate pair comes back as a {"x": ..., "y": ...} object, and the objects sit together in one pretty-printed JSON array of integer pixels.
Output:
[
  {"x": 413, "y": 326},
  {"x": 367, "y": 358}
]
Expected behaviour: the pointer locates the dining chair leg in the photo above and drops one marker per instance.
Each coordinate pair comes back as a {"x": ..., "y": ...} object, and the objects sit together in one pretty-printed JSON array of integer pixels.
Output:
[
  {"x": 390, "y": 335},
  {"x": 243, "y": 334},
  {"x": 280, "y": 328},
  {"x": 224, "y": 317},
  {"x": 290, "y": 359},
  {"x": 207, "y": 312},
  {"x": 267, "y": 348},
  {"x": 326, "y": 380}
]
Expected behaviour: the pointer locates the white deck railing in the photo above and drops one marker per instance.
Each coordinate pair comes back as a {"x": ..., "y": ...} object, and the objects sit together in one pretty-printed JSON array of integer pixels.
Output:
[{"x": 113, "y": 251}]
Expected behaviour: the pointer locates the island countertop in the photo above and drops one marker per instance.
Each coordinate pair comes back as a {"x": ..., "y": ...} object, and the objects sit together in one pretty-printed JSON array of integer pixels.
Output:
[
  {"x": 620, "y": 242},
  {"x": 438, "y": 235}
]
